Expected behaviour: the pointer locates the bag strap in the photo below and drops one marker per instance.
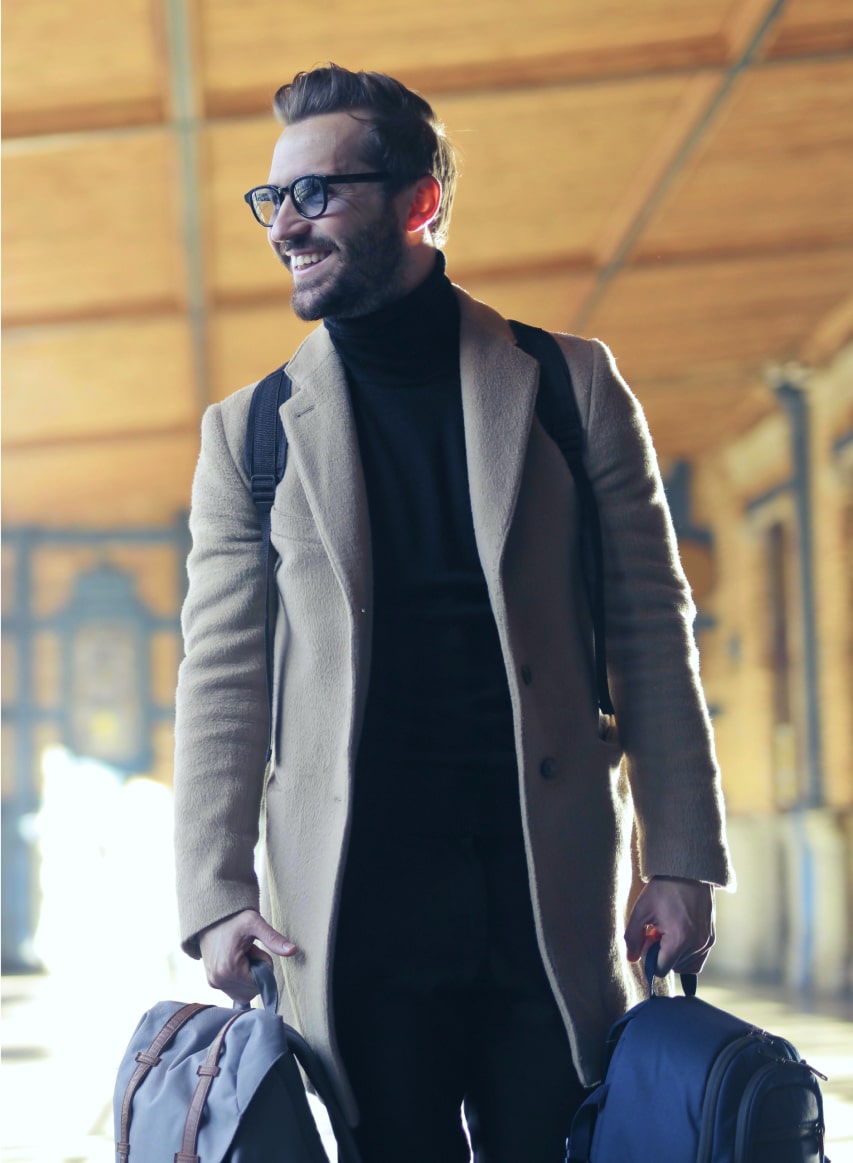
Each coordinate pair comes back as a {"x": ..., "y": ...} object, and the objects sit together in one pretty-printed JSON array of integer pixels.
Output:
[
  {"x": 206, "y": 1074},
  {"x": 558, "y": 411},
  {"x": 583, "y": 1126},
  {"x": 265, "y": 457},
  {"x": 689, "y": 981},
  {"x": 317, "y": 1075},
  {"x": 319, "y": 1079},
  {"x": 147, "y": 1059}
]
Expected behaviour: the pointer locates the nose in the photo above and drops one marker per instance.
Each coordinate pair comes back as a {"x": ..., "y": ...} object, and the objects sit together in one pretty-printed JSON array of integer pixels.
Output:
[{"x": 287, "y": 222}]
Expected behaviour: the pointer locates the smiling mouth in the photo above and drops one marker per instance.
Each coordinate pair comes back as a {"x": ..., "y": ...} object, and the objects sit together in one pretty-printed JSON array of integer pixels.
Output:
[{"x": 304, "y": 262}]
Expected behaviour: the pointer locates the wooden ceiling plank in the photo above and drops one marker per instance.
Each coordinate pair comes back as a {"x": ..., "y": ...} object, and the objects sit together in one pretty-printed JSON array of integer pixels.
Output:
[
  {"x": 500, "y": 75},
  {"x": 583, "y": 148},
  {"x": 122, "y": 483},
  {"x": 688, "y": 422},
  {"x": 670, "y": 323},
  {"x": 775, "y": 171},
  {"x": 832, "y": 332},
  {"x": 77, "y": 66},
  {"x": 762, "y": 28},
  {"x": 246, "y": 344},
  {"x": 810, "y": 27},
  {"x": 100, "y": 379},
  {"x": 547, "y": 298},
  {"x": 749, "y": 26},
  {"x": 235, "y": 157},
  {"x": 81, "y": 117},
  {"x": 481, "y": 44},
  {"x": 91, "y": 224},
  {"x": 656, "y": 165}
]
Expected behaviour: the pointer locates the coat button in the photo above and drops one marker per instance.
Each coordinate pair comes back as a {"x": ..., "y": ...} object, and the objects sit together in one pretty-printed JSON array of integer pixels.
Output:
[
  {"x": 526, "y": 675},
  {"x": 548, "y": 768}
]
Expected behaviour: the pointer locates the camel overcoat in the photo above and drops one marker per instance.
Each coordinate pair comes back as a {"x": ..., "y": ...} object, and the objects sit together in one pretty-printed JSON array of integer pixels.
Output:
[{"x": 586, "y": 784}]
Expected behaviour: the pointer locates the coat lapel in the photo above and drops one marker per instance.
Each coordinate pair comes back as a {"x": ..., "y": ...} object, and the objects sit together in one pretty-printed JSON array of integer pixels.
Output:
[
  {"x": 323, "y": 442},
  {"x": 499, "y": 384}
]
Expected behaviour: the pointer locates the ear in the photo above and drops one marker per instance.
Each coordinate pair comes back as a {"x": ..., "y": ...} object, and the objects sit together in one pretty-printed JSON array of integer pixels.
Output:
[{"x": 423, "y": 203}]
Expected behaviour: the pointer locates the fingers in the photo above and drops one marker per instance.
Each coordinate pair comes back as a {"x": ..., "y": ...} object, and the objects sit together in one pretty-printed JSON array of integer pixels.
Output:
[
  {"x": 228, "y": 948},
  {"x": 690, "y": 962},
  {"x": 678, "y": 913},
  {"x": 641, "y": 933}
]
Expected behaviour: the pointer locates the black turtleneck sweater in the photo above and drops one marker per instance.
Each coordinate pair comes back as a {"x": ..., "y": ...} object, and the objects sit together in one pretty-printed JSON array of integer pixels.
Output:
[{"x": 436, "y": 752}]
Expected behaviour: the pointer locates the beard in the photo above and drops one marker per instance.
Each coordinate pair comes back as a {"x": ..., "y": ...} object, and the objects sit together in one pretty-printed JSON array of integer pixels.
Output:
[{"x": 370, "y": 274}]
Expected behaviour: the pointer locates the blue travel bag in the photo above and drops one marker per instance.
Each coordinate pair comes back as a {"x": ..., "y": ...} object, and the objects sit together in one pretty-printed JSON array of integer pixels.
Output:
[{"x": 686, "y": 1082}]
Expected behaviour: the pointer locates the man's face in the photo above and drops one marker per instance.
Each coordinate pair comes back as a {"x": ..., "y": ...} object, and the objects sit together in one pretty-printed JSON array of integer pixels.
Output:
[{"x": 351, "y": 260}]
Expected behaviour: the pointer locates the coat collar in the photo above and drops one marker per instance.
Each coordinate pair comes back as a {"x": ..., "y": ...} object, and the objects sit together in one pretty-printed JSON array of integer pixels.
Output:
[{"x": 499, "y": 383}]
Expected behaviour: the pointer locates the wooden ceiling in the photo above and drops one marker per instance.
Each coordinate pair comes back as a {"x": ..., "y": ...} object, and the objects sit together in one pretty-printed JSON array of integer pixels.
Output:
[{"x": 675, "y": 176}]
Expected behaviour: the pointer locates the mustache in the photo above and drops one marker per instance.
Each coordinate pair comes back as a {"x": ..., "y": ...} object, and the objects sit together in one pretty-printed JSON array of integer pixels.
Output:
[{"x": 302, "y": 244}]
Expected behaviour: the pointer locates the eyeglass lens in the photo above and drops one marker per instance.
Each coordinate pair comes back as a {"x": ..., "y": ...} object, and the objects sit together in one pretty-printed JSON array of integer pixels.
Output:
[{"x": 308, "y": 195}]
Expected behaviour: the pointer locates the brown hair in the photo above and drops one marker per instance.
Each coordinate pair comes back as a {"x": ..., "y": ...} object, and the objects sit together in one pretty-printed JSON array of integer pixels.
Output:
[{"x": 405, "y": 138}]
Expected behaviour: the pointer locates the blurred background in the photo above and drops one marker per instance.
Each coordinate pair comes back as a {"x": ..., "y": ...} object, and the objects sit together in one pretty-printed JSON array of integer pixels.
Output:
[{"x": 674, "y": 176}]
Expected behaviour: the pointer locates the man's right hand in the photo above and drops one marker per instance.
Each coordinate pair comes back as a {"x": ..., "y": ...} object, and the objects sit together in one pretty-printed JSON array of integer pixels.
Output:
[{"x": 228, "y": 948}]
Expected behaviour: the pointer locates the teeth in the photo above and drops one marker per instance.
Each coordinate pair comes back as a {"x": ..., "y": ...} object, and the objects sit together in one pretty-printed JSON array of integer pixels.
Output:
[{"x": 298, "y": 261}]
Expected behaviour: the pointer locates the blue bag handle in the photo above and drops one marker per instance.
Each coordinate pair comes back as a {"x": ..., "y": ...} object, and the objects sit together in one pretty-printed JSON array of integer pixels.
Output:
[
  {"x": 264, "y": 977},
  {"x": 689, "y": 982}
]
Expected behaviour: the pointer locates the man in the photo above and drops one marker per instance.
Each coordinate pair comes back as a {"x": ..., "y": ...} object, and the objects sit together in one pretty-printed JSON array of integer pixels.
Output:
[{"x": 448, "y": 821}]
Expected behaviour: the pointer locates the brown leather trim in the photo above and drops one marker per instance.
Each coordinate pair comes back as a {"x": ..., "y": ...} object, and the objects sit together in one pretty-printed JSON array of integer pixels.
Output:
[
  {"x": 207, "y": 1072},
  {"x": 147, "y": 1059}
]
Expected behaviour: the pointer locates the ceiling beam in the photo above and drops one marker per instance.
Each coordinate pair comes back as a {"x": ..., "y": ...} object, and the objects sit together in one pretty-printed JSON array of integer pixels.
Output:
[
  {"x": 521, "y": 80},
  {"x": 672, "y": 161},
  {"x": 185, "y": 106}
]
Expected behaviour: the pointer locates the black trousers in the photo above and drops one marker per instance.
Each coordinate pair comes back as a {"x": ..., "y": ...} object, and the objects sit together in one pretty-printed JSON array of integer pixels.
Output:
[{"x": 441, "y": 1002}]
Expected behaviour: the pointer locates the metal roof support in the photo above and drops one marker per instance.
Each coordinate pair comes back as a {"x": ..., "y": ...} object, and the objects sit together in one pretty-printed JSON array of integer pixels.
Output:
[
  {"x": 788, "y": 384},
  {"x": 620, "y": 256},
  {"x": 185, "y": 124}
]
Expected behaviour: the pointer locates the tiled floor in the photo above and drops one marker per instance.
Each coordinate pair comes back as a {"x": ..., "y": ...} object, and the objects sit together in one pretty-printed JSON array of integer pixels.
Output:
[{"x": 62, "y": 1039}]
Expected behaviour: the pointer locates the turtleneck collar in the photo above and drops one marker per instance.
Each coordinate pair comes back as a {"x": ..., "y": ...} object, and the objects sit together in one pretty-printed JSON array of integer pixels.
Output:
[{"x": 415, "y": 339}]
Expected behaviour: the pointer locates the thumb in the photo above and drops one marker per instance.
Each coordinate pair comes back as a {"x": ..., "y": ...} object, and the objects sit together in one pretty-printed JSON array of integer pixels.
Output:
[{"x": 271, "y": 939}]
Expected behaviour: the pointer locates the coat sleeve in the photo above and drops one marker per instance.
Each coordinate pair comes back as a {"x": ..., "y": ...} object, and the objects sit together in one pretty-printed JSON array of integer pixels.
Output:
[
  {"x": 221, "y": 725},
  {"x": 653, "y": 662}
]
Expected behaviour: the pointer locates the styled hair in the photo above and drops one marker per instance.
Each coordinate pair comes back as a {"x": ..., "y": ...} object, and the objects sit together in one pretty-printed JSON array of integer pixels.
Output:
[{"x": 405, "y": 138}]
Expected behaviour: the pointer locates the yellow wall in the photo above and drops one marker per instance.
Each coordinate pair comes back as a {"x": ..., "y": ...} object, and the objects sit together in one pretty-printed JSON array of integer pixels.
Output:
[
  {"x": 735, "y": 653},
  {"x": 793, "y": 912}
]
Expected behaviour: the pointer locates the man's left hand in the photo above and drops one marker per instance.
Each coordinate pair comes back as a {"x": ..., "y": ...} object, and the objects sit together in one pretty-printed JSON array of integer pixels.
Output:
[{"x": 678, "y": 913}]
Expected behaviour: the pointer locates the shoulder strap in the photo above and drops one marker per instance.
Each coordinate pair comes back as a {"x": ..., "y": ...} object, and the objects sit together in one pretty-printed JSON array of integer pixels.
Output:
[
  {"x": 265, "y": 457},
  {"x": 557, "y": 409},
  {"x": 318, "y": 1076}
]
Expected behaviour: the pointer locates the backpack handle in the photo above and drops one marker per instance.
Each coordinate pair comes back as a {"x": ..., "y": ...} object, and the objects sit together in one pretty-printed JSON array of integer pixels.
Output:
[
  {"x": 264, "y": 977},
  {"x": 689, "y": 982}
]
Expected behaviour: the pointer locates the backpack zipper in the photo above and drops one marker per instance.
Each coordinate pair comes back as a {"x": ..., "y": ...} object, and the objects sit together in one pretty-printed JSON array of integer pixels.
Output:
[
  {"x": 715, "y": 1081},
  {"x": 813, "y": 1127}
]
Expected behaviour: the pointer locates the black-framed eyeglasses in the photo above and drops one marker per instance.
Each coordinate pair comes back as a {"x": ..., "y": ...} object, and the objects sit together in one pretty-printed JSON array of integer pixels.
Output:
[{"x": 309, "y": 195}]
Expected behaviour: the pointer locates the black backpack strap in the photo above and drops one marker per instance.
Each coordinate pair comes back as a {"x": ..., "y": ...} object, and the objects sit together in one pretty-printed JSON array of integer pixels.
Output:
[
  {"x": 265, "y": 456},
  {"x": 557, "y": 409}
]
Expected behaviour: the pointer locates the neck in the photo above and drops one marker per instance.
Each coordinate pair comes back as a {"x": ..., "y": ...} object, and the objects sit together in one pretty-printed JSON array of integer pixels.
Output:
[{"x": 420, "y": 264}]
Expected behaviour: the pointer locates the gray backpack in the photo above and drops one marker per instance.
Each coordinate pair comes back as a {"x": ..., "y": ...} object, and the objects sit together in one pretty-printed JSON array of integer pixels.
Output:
[{"x": 206, "y": 1084}]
